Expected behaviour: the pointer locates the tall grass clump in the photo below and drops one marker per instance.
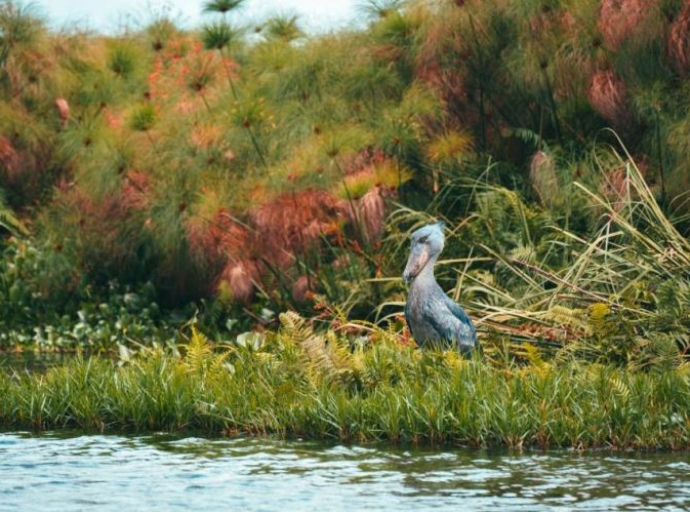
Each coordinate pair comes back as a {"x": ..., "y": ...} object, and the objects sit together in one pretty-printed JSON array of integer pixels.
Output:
[
  {"x": 298, "y": 383},
  {"x": 615, "y": 297}
]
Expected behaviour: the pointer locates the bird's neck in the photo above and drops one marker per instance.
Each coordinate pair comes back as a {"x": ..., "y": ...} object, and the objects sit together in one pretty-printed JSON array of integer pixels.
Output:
[{"x": 426, "y": 276}]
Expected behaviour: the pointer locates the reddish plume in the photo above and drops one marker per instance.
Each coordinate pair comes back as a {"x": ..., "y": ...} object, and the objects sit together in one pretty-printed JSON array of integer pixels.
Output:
[
  {"x": 184, "y": 65},
  {"x": 205, "y": 136},
  {"x": 185, "y": 106},
  {"x": 93, "y": 211},
  {"x": 372, "y": 214},
  {"x": 63, "y": 110},
  {"x": 679, "y": 41},
  {"x": 135, "y": 190},
  {"x": 616, "y": 185},
  {"x": 619, "y": 19},
  {"x": 364, "y": 159},
  {"x": 9, "y": 159},
  {"x": 219, "y": 239},
  {"x": 98, "y": 226},
  {"x": 292, "y": 223},
  {"x": 221, "y": 245},
  {"x": 301, "y": 289},
  {"x": 608, "y": 96},
  {"x": 239, "y": 277},
  {"x": 432, "y": 68},
  {"x": 541, "y": 23},
  {"x": 112, "y": 119},
  {"x": 543, "y": 177}
]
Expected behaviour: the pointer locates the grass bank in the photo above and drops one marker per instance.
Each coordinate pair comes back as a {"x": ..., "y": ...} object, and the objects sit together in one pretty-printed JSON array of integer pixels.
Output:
[{"x": 298, "y": 384}]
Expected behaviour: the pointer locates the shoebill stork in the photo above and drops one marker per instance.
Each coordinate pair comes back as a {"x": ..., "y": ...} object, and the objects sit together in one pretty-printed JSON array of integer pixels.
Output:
[{"x": 433, "y": 318}]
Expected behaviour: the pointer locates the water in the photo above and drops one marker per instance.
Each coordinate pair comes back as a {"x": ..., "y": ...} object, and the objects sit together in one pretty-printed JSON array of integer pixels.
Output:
[{"x": 78, "y": 472}]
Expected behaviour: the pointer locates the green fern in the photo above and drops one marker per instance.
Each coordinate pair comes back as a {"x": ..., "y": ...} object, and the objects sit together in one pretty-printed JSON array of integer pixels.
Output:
[
  {"x": 598, "y": 319},
  {"x": 200, "y": 357},
  {"x": 294, "y": 329},
  {"x": 327, "y": 359},
  {"x": 620, "y": 387},
  {"x": 532, "y": 355},
  {"x": 563, "y": 315},
  {"x": 524, "y": 253}
]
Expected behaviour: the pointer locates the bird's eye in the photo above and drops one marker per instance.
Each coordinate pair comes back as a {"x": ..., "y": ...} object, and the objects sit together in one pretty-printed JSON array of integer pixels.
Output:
[{"x": 422, "y": 240}]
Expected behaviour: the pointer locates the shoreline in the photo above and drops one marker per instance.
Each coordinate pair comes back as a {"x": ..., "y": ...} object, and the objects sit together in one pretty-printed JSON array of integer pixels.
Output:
[{"x": 390, "y": 394}]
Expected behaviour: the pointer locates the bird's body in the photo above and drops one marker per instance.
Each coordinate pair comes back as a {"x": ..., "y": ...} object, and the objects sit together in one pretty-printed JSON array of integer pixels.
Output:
[{"x": 433, "y": 318}]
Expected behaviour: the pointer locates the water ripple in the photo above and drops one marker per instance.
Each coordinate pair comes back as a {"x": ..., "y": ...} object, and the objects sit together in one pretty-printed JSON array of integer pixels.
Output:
[{"x": 163, "y": 472}]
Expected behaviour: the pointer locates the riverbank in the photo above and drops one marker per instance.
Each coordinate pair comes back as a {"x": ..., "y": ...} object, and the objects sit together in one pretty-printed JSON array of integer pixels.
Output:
[{"x": 296, "y": 385}]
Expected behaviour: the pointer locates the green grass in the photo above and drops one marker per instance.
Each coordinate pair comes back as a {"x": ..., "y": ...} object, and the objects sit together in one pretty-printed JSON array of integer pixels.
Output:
[
  {"x": 244, "y": 176},
  {"x": 297, "y": 384}
]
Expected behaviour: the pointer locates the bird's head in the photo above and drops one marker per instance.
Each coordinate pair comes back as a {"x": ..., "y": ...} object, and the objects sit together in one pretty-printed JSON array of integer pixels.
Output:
[{"x": 426, "y": 245}]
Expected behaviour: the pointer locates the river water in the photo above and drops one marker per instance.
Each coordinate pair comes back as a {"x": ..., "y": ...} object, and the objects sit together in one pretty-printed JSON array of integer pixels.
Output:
[{"x": 110, "y": 472}]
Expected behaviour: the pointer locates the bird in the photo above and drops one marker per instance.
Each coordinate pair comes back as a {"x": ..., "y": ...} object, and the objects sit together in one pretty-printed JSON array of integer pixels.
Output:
[{"x": 434, "y": 319}]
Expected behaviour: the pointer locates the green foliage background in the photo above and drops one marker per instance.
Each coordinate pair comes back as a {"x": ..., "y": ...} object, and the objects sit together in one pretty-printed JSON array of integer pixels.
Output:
[{"x": 222, "y": 175}]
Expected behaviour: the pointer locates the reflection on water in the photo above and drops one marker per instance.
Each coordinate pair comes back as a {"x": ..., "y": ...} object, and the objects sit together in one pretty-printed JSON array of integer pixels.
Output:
[{"x": 164, "y": 472}]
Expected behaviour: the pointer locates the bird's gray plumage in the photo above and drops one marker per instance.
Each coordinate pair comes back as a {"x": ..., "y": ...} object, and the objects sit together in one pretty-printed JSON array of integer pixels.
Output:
[{"x": 432, "y": 317}]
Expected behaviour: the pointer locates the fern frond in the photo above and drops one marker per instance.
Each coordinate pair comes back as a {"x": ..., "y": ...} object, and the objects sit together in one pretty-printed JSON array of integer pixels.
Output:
[
  {"x": 218, "y": 362},
  {"x": 293, "y": 329},
  {"x": 530, "y": 137},
  {"x": 562, "y": 315},
  {"x": 524, "y": 253},
  {"x": 327, "y": 359},
  {"x": 620, "y": 387},
  {"x": 598, "y": 318},
  {"x": 533, "y": 356},
  {"x": 199, "y": 353}
]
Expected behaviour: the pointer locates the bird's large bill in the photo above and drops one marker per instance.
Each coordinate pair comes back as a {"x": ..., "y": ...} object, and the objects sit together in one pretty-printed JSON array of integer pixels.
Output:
[{"x": 417, "y": 261}]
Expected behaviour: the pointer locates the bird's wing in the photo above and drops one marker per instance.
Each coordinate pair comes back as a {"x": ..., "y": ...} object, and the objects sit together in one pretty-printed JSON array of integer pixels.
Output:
[{"x": 455, "y": 325}]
